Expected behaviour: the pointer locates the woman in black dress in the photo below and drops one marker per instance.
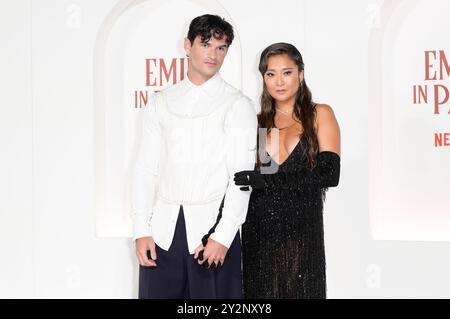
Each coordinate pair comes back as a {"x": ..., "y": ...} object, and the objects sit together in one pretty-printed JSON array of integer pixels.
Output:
[{"x": 282, "y": 238}]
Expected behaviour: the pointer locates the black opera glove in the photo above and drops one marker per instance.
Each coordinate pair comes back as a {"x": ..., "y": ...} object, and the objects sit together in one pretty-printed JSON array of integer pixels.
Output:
[{"x": 326, "y": 173}]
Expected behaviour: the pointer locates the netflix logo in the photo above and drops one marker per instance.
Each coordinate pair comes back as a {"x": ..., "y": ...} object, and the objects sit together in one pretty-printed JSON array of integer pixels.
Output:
[
  {"x": 157, "y": 74},
  {"x": 441, "y": 139},
  {"x": 435, "y": 91}
]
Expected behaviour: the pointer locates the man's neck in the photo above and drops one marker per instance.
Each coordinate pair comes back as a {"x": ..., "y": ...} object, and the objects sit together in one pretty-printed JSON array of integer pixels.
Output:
[{"x": 197, "y": 79}]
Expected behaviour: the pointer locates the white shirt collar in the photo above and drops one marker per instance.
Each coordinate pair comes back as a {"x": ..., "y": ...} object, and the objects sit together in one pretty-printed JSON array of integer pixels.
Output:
[
  {"x": 188, "y": 100},
  {"x": 210, "y": 87}
]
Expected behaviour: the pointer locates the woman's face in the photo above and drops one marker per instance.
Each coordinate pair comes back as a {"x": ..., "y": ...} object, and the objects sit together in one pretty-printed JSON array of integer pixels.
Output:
[{"x": 282, "y": 79}]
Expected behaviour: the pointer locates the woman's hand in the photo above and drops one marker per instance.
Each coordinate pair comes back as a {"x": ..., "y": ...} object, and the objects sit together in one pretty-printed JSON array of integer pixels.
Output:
[{"x": 249, "y": 178}]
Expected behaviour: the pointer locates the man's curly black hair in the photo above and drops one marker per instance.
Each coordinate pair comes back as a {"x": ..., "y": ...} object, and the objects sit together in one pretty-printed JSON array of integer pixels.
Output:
[{"x": 209, "y": 25}]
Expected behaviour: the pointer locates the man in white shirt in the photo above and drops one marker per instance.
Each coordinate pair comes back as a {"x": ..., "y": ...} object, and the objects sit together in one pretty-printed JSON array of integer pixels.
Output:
[{"x": 196, "y": 135}]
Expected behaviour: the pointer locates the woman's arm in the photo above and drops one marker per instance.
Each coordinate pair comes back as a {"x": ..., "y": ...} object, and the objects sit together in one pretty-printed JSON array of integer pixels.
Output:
[
  {"x": 327, "y": 127},
  {"x": 326, "y": 172}
]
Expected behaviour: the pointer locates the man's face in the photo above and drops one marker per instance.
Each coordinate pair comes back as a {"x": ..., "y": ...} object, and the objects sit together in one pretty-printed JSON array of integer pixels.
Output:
[{"x": 206, "y": 58}]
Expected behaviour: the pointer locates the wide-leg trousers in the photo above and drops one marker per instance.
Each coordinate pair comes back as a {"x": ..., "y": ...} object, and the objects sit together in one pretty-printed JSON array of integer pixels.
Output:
[{"x": 179, "y": 276}]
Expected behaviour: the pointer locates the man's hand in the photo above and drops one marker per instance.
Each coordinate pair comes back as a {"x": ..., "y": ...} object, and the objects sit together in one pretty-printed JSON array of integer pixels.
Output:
[
  {"x": 143, "y": 245},
  {"x": 213, "y": 254}
]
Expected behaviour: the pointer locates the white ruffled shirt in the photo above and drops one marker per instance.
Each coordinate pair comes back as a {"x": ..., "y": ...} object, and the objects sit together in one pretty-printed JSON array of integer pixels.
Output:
[{"x": 194, "y": 138}]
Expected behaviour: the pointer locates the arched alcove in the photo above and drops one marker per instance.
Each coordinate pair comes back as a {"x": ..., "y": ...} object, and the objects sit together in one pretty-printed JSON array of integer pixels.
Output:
[
  {"x": 133, "y": 31},
  {"x": 408, "y": 178}
]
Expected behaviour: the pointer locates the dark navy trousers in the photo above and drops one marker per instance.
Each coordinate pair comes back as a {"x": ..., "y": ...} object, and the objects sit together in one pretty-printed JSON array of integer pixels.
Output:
[{"x": 179, "y": 276}]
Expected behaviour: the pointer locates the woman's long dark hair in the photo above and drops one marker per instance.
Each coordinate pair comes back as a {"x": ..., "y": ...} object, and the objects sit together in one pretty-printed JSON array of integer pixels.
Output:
[{"x": 304, "y": 108}]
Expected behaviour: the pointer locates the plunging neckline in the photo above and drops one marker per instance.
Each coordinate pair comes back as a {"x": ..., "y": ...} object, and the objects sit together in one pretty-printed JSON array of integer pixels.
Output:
[{"x": 287, "y": 158}]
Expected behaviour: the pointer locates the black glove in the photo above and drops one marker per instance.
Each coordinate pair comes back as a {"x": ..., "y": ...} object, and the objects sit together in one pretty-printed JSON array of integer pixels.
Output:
[
  {"x": 326, "y": 173},
  {"x": 249, "y": 178}
]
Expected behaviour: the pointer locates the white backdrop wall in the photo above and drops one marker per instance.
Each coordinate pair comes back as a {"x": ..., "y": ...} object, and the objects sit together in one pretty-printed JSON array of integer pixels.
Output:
[{"x": 48, "y": 242}]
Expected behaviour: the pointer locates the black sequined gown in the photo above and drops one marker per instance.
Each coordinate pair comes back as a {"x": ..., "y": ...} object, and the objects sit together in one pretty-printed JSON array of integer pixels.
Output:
[{"x": 283, "y": 240}]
